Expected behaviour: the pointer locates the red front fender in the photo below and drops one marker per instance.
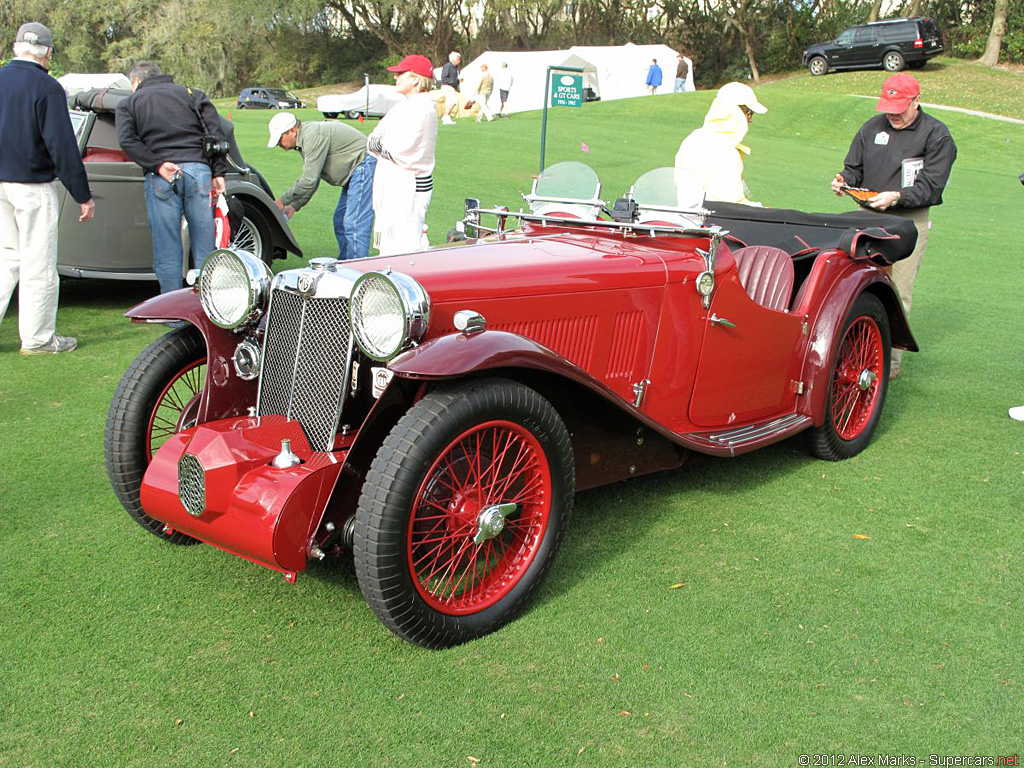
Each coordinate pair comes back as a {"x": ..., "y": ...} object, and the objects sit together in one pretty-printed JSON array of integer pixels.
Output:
[
  {"x": 459, "y": 354},
  {"x": 224, "y": 394}
]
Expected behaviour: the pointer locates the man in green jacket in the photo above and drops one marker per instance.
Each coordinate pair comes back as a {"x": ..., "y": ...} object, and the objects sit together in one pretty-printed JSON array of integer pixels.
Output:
[{"x": 335, "y": 153}]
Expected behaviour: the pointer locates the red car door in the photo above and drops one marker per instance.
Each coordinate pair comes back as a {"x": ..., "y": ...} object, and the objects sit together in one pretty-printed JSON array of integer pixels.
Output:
[{"x": 749, "y": 361}]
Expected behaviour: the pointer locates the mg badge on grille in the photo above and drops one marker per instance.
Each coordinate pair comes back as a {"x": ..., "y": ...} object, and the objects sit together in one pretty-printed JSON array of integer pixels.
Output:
[
  {"x": 306, "y": 284},
  {"x": 192, "y": 485}
]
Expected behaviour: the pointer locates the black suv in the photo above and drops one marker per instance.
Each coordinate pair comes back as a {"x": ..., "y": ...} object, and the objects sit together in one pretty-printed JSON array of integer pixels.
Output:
[
  {"x": 268, "y": 98},
  {"x": 890, "y": 44}
]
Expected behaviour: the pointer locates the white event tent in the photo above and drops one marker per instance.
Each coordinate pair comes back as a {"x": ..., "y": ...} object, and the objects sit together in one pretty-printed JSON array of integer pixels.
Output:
[{"x": 612, "y": 71}]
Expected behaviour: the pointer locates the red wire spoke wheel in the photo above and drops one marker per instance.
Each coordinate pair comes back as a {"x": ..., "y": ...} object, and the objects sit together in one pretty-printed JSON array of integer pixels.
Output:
[
  {"x": 464, "y": 552},
  {"x": 463, "y": 510},
  {"x": 158, "y": 395},
  {"x": 858, "y": 383},
  {"x": 857, "y": 379},
  {"x": 175, "y": 406}
]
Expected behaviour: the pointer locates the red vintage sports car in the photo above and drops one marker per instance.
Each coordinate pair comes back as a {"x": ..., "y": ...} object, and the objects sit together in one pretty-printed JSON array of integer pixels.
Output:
[{"x": 434, "y": 413}]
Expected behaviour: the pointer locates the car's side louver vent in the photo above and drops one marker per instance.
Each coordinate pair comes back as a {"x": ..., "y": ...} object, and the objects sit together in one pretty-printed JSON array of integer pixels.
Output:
[{"x": 305, "y": 359}]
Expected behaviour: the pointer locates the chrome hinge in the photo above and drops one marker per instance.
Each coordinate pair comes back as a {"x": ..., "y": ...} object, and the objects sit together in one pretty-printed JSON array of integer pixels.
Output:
[
  {"x": 798, "y": 387},
  {"x": 803, "y": 327},
  {"x": 639, "y": 390}
]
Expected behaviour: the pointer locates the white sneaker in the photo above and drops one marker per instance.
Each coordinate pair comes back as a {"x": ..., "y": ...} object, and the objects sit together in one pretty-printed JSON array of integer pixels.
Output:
[
  {"x": 447, "y": 121},
  {"x": 55, "y": 345},
  {"x": 1017, "y": 413}
]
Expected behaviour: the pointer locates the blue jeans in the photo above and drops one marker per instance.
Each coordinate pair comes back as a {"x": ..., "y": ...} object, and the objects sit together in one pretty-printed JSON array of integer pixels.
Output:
[
  {"x": 353, "y": 218},
  {"x": 680, "y": 85},
  {"x": 166, "y": 203}
]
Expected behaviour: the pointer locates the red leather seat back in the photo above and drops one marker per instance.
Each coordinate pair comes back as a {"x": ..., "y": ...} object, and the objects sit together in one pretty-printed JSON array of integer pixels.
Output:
[{"x": 766, "y": 274}]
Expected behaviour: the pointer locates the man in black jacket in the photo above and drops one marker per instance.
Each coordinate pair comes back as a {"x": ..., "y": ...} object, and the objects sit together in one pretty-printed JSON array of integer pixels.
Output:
[
  {"x": 905, "y": 156},
  {"x": 162, "y": 127},
  {"x": 39, "y": 147},
  {"x": 450, "y": 87}
]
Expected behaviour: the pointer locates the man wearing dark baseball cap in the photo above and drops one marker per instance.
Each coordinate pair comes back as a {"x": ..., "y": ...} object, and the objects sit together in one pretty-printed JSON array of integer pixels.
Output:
[
  {"x": 39, "y": 148},
  {"x": 905, "y": 155}
]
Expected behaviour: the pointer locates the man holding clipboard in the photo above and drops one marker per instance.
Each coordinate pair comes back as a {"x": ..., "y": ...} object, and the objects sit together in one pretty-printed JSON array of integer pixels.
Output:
[{"x": 899, "y": 162}]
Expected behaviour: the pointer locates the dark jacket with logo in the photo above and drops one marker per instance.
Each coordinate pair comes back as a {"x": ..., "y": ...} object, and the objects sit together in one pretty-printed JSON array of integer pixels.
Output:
[
  {"x": 158, "y": 125},
  {"x": 39, "y": 143},
  {"x": 883, "y": 159}
]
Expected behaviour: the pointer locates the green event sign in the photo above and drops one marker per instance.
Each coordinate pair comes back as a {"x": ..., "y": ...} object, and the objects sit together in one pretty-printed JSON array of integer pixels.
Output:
[{"x": 566, "y": 90}]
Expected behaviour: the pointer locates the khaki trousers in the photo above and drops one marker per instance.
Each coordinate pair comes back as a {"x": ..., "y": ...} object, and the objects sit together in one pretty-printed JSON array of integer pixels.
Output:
[
  {"x": 904, "y": 273},
  {"x": 451, "y": 100},
  {"x": 28, "y": 255}
]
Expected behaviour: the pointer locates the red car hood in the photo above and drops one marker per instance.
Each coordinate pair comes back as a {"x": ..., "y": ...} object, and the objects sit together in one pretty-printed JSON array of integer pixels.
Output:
[{"x": 533, "y": 265}]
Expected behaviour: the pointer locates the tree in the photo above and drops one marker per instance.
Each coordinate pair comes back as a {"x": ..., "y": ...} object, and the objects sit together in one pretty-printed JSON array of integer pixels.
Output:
[{"x": 995, "y": 37}]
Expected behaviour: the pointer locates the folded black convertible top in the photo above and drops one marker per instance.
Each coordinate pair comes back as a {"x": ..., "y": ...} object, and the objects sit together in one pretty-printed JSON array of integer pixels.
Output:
[{"x": 861, "y": 233}]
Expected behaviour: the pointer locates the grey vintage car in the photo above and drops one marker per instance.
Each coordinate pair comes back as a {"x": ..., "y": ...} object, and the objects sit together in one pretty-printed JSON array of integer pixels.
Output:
[{"x": 117, "y": 245}]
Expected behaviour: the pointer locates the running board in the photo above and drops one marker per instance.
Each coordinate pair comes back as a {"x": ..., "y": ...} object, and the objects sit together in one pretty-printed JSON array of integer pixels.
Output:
[{"x": 746, "y": 438}]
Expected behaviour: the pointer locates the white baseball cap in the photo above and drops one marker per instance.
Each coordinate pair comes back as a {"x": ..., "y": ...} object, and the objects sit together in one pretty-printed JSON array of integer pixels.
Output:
[
  {"x": 739, "y": 94},
  {"x": 280, "y": 123}
]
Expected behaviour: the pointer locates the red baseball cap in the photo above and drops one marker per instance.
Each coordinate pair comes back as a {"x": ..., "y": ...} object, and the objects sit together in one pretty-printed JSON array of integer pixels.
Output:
[
  {"x": 415, "y": 63},
  {"x": 897, "y": 93}
]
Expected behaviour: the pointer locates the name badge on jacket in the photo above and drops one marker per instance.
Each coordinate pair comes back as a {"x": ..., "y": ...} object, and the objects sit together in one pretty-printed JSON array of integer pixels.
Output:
[{"x": 881, "y": 138}]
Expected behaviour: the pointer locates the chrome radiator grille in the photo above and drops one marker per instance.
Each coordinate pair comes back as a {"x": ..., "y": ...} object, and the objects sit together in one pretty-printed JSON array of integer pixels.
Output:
[{"x": 305, "y": 363}]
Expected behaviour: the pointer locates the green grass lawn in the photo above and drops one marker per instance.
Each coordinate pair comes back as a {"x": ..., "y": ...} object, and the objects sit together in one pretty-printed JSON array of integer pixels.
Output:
[{"x": 787, "y": 636}]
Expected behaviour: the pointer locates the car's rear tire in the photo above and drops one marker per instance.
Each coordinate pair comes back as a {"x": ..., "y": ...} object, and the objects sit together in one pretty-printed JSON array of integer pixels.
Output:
[
  {"x": 330, "y": 115},
  {"x": 427, "y": 562},
  {"x": 893, "y": 61},
  {"x": 817, "y": 66},
  {"x": 158, "y": 396},
  {"x": 353, "y": 114},
  {"x": 857, "y": 383},
  {"x": 253, "y": 234}
]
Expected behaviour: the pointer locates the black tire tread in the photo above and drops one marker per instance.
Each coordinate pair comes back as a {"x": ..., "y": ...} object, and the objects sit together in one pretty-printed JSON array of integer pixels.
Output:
[
  {"x": 128, "y": 418},
  {"x": 391, "y": 483}
]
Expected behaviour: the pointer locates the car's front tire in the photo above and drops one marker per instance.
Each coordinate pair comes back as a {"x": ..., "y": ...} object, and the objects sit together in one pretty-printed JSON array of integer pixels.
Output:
[
  {"x": 433, "y": 559},
  {"x": 892, "y": 61},
  {"x": 817, "y": 66},
  {"x": 353, "y": 114},
  {"x": 158, "y": 396},
  {"x": 857, "y": 384}
]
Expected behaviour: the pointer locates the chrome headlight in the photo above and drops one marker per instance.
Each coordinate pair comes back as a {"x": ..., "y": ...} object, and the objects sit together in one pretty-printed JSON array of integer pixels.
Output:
[
  {"x": 389, "y": 311},
  {"x": 233, "y": 287}
]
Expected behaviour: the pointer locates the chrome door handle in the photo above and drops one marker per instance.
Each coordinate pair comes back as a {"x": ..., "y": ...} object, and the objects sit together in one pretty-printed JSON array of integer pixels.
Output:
[{"x": 716, "y": 320}]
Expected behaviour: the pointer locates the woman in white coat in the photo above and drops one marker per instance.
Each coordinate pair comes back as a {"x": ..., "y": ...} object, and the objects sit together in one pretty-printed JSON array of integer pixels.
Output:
[
  {"x": 404, "y": 144},
  {"x": 714, "y": 153}
]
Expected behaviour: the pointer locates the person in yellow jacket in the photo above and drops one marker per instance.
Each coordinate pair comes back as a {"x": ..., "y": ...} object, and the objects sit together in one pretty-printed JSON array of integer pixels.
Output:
[{"x": 713, "y": 154}]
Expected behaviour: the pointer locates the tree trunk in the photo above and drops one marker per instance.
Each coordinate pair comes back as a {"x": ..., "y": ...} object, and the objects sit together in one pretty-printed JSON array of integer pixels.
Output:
[
  {"x": 915, "y": 8},
  {"x": 876, "y": 9},
  {"x": 995, "y": 37}
]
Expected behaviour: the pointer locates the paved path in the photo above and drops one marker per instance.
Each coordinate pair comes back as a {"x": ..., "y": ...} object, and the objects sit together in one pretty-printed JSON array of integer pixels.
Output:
[{"x": 975, "y": 112}]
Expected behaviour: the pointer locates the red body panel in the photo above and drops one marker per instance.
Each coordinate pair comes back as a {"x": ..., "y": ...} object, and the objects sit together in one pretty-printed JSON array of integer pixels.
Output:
[
  {"x": 254, "y": 510},
  {"x": 604, "y": 311}
]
